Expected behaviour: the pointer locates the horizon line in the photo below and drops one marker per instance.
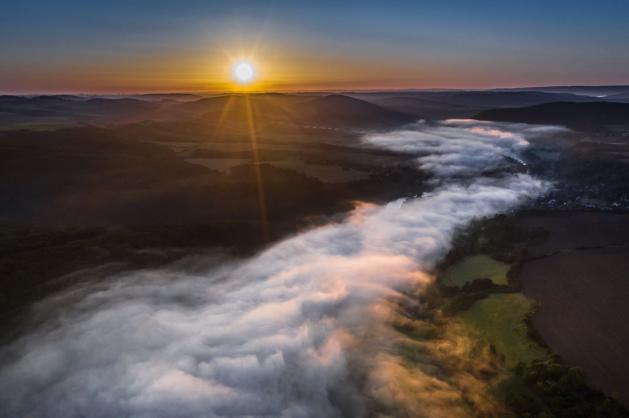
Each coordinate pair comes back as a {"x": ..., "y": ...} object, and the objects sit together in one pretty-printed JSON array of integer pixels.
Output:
[{"x": 307, "y": 91}]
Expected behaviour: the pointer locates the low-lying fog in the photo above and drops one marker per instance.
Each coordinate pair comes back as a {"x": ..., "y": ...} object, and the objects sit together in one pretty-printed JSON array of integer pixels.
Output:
[{"x": 299, "y": 330}]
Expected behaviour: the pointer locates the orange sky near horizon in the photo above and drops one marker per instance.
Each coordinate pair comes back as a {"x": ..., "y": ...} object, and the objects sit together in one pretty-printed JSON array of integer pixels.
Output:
[
  {"x": 115, "y": 46},
  {"x": 196, "y": 73}
]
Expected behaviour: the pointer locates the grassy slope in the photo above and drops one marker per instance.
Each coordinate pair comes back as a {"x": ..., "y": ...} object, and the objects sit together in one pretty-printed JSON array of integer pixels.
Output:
[
  {"x": 499, "y": 319},
  {"x": 476, "y": 267}
]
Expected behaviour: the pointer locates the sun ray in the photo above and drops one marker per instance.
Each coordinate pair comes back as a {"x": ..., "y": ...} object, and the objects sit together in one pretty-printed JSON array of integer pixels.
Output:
[
  {"x": 256, "y": 164},
  {"x": 224, "y": 113}
]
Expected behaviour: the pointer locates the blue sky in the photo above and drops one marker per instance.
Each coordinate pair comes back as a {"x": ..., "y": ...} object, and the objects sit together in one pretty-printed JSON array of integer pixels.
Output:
[{"x": 164, "y": 45}]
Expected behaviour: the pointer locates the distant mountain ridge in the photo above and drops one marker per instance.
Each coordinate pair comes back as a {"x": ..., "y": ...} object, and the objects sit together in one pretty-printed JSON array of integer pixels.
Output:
[
  {"x": 577, "y": 115},
  {"x": 620, "y": 97},
  {"x": 443, "y": 105},
  {"x": 267, "y": 108},
  {"x": 358, "y": 110},
  {"x": 597, "y": 91}
]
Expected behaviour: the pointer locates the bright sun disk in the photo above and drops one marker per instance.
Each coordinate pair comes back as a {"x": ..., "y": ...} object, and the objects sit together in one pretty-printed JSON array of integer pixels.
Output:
[{"x": 244, "y": 72}]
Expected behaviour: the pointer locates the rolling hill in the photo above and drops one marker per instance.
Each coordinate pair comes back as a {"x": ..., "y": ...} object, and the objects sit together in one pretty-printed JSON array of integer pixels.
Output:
[
  {"x": 576, "y": 115},
  {"x": 329, "y": 111},
  {"x": 449, "y": 104}
]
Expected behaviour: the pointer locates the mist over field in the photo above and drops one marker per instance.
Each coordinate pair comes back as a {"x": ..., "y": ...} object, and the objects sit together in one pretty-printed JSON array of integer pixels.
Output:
[
  {"x": 301, "y": 329},
  {"x": 462, "y": 147}
]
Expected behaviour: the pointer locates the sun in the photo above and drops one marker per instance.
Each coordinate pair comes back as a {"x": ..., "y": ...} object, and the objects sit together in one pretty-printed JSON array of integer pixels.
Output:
[{"x": 244, "y": 72}]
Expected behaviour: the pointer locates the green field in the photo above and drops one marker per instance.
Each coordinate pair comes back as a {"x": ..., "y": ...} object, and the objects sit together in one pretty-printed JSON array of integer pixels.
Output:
[
  {"x": 476, "y": 267},
  {"x": 499, "y": 319}
]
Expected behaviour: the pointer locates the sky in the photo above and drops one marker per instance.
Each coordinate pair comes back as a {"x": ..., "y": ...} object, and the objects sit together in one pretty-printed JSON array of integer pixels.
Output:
[{"x": 116, "y": 46}]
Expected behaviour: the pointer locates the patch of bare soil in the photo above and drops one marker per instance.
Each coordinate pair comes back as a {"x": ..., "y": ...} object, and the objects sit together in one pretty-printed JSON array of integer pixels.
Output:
[{"x": 579, "y": 275}]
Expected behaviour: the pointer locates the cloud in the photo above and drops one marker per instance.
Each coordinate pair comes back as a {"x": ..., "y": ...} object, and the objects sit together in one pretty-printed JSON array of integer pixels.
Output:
[{"x": 274, "y": 335}]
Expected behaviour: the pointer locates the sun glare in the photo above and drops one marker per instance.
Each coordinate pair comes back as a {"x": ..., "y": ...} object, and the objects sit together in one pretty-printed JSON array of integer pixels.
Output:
[{"x": 244, "y": 72}]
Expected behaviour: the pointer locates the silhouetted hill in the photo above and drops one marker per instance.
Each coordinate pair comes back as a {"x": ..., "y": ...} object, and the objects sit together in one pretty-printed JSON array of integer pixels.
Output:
[
  {"x": 448, "y": 104},
  {"x": 236, "y": 101},
  {"x": 73, "y": 109},
  {"x": 620, "y": 97},
  {"x": 577, "y": 115},
  {"x": 336, "y": 109},
  {"x": 420, "y": 107},
  {"x": 511, "y": 99},
  {"x": 598, "y": 91},
  {"x": 169, "y": 96},
  {"x": 113, "y": 107},
  {"x": 376, "y": 110},
  {"x": 58, "y": 97}
]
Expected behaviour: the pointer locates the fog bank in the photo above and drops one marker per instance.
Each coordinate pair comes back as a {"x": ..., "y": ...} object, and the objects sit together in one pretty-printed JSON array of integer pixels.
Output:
[{"x": 280, "y": 334}]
